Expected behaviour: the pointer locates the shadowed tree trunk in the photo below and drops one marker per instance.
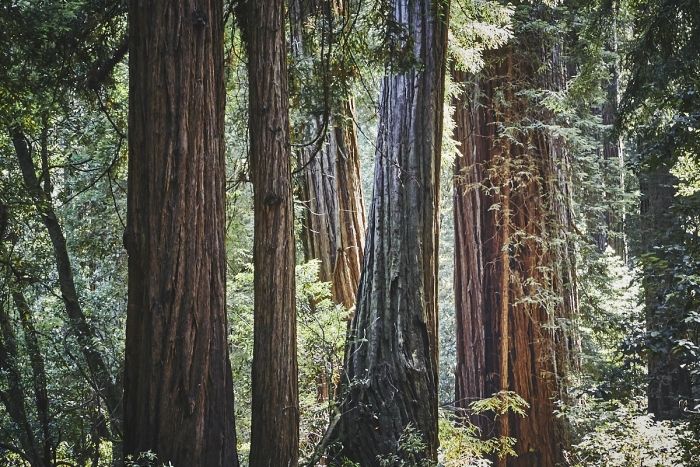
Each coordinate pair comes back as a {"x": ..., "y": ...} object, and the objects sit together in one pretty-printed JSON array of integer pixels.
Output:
[
  {"x": 514, "y": 277},
  {"x": 275, "y": 407},
  {"x": 476, "y": 243},
  {"x": 391, "y": 357},
  {"x": 36, "y": 360},
  {"x": 669, "y": 382},
  {"x": 613, "y": 223},
  {"x": 101, "y": 377},
  {"x": 178, "y": 394},
  {"x": 13, "y": 397}
]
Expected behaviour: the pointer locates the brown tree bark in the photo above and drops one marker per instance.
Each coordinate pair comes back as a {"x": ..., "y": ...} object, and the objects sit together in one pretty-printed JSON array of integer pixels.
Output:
[
  {"x": 178, "y": 391},
  {"x": 514, "y": 276},
  {"x": 275, "y": 407},
  {"x": 334, "y": 219},
  {"x": 391, "y": 357},
  {"x": 476, "y": 244},
  {"x": 334, "y": 224}
]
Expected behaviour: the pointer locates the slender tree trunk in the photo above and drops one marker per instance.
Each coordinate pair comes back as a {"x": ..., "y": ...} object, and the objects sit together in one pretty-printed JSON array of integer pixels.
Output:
[
  {"x": 513, "y": 266},
  {"x": 391, "y": 357},
  {"x": 102, "y": 380},
  {"x": 41, "y": 398},
  {"x": 275, "y": 407},
  {"x": 44, "y": 448},
  {"x": 613, "y": 158},
  {"x": 13, "y": 398},
  {"x": 178, "y": 391}
]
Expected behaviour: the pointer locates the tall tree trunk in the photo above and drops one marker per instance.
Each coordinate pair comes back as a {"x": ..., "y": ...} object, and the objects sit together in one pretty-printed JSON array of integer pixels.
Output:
[
  {"x": 178, "y": 391},
  {"x": 334, "y": 221},
  {"x": 275, "y": 407},
  {"x": 352, "y": 227},
  {"x": 334, "y": 224},
  {"x": 613, "y": 224},
  {"x": 476, "y": 246},
  {"x": 102, "y": 380},
  {"x": 514, "y": 275},
  {"x": 391, "y": 357},
  {"x": 669, "y": 382}
]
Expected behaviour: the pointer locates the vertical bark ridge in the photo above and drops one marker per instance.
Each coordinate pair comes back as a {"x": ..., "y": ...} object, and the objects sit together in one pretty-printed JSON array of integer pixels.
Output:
[
  {"x": 275, "y": 405},
  {"x": 334, "y": 221},
  {"x": 178, "y": 391},
  {"x": 391, "y": 356},
  {"x": 513, "y": 273}
]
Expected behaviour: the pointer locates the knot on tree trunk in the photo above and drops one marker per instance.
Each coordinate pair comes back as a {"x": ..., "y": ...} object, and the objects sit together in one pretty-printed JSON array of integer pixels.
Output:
[{"x": 272, "y": 199}]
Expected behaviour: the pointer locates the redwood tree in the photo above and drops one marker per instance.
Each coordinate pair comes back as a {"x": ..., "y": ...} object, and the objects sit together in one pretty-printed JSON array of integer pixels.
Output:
[
  {"x": 275, "y": 408},
  {"x": 178, "y": 394},
  {"x": 391, "y": 357},
  {"x": 331, "y": 190},
  {"x": 514, "y": 277}
]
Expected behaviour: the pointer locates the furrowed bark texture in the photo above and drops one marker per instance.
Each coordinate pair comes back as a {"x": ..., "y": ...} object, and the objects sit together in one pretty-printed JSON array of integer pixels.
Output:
[
  {"x": 391, "y": 357},
  {"x": 669, "y": 382},
  {"x": 275, "y": 408},
  {"x": 476, "y": 246},
  {"x": 514, "y": 275},
  {"x": 178, "y": 394},
  {"x": 334, "y": 221}
]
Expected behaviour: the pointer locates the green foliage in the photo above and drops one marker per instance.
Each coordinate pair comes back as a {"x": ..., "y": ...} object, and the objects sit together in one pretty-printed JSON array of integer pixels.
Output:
[
  {"x": 461, "y": 443},
  {"x": 501, "y": 403},
  {"x": 475, "y": 27},
  {"x": 611, "y": 323},
  {"x": 689, "y": 439},
  {"x": 610, "y": 433},
  {"x": 410, "y": 451},
  {"x": 321, "y": 327}
]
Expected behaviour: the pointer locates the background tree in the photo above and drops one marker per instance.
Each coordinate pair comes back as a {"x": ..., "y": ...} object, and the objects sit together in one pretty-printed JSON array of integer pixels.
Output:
[
  {"x": 329, "y": 156},
  {"x": 660, "y": 107}
]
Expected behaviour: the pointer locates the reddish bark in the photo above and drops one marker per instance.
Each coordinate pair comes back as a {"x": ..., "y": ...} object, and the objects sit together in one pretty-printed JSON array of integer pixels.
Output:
[{"x": 178, "y": 391}]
